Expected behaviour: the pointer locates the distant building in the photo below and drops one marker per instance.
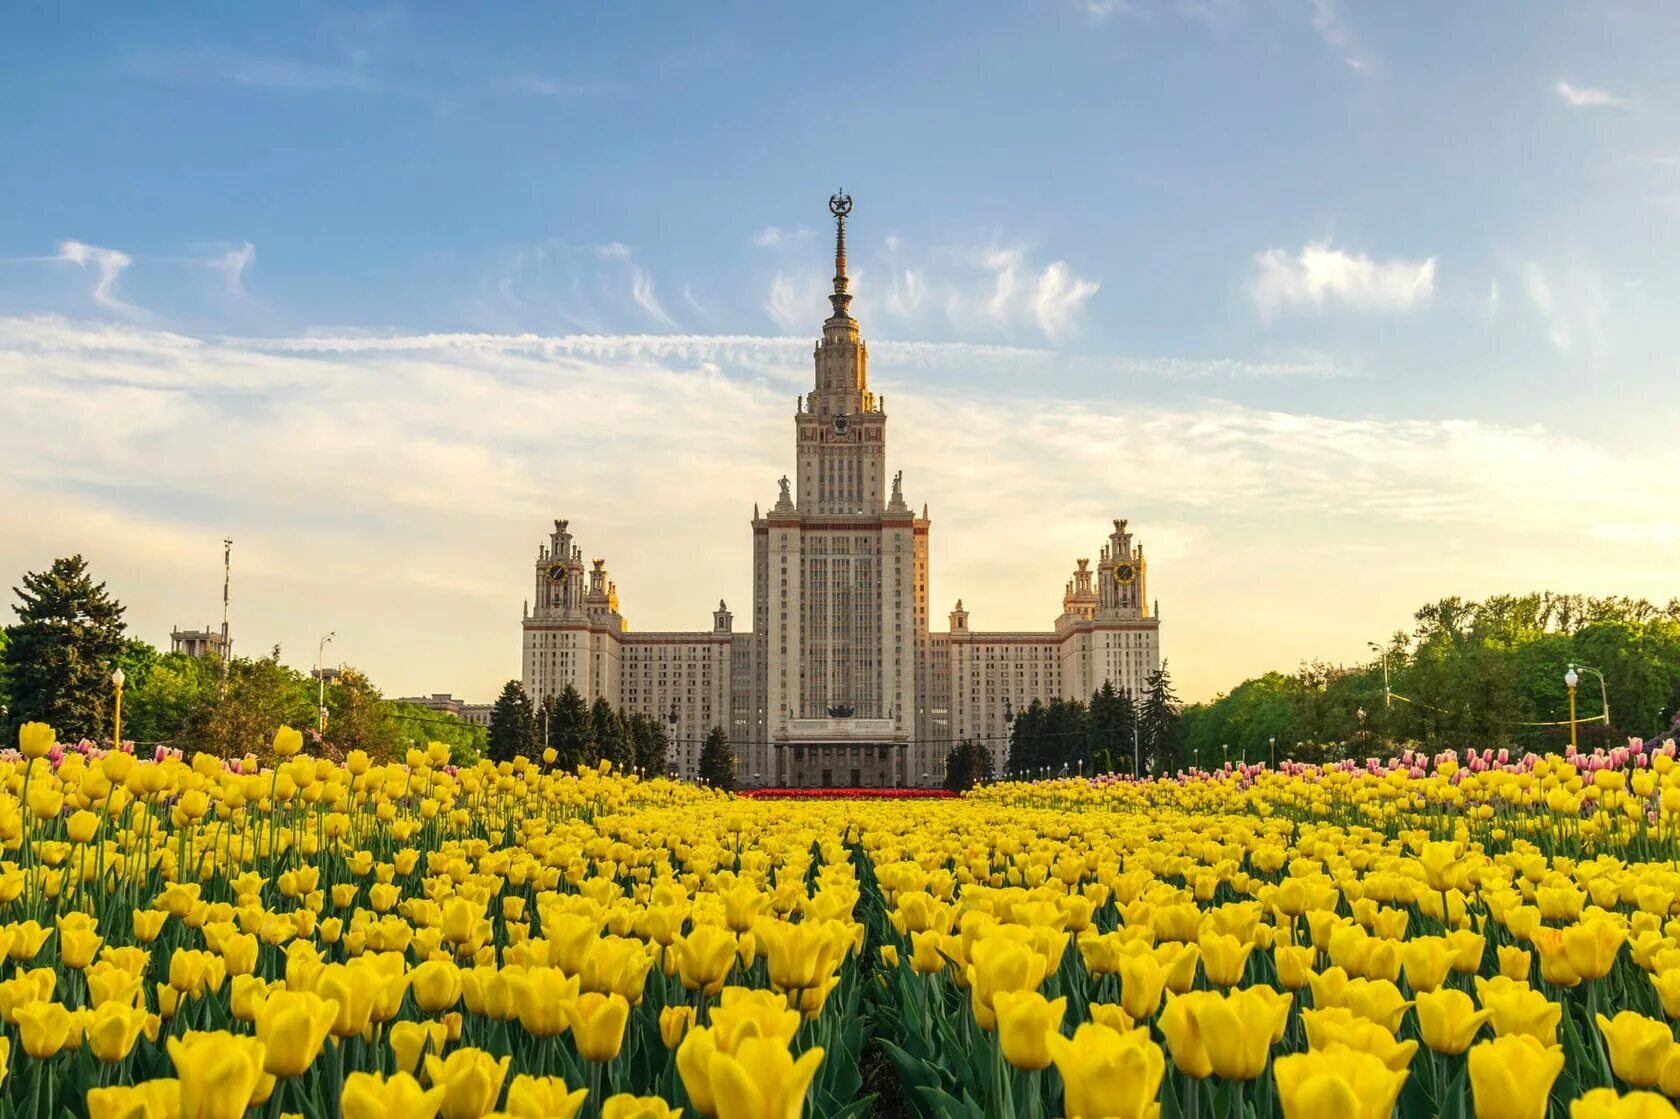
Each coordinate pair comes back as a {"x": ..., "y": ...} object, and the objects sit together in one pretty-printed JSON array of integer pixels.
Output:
[
  {"x": 839, "y": 680},
  {"x": 473, "y": 714},
  {"x": 204, "y": 642}
]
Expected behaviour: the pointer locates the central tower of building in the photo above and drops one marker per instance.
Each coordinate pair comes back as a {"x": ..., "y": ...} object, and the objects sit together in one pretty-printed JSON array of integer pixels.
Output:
[{"x": 839, "y": 580}]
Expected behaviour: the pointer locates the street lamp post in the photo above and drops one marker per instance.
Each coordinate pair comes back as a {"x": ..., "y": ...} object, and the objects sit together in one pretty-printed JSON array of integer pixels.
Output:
[
  {"x": 321, "y": 684},
  {"x": 117, "y": 680},
  {"x": 1603, "y": 692},
  {"x": 1570, "y": 679},
  {"x": 1271, "y": 744}
]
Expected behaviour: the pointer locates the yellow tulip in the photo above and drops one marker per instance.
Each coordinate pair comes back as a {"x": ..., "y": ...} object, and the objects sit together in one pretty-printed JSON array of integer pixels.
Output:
[
  {"x": 597, "y": 1023},
  {"x": 471, "y": 1081},
  {"x": 1337, "y": 1025},
  {"x": 369, "y": 1095},
  {"x": 1025, "y": 1020},
  {"x": 1511, "y": 1077},
  {"x": 543, "y": 1097},
  {"x": 1224, "y": 958},
  {"x": 1238, "y": 1030},
  {"x": 81, "y": 825},
  {"x": 1514, "y": 962},
  {"x": 1294, "y": 965},
  {"x": 219, "y": 1073},
  {"x": 410, "y": 1041},
  {"x": 999, "y": 964},
  {"x": 1638, "y": 1047},
  {"x": 1142, "y": 982},
  {"x": 541, "y": 995},
  {"x": 674, "y": 1022},
  {"x": 759, "y": 1080},
  {"x": 744, "y": 1012},
  {"x": 436, "y": 985},
  {"x": 626, "y": 1106},
  {"x": 1591, "y": 946},
  {"x": 36, "y": 740},
  {"x": 1426, "y": 960},
  {"x": 1521, "y": 1010},
  {"x": 150, "y": 1099},
  {"x": 1604, "y": 1103},
  {"x": 294, "y": 1025},
  {"x": 287, "y": 741},
  {"x": 1449, "y": 1021},
  {"x": 704, "y": 957},
  {"x": 1181, "y": 1025},
  {"x": 1337, "y": 1081},
  {"x": 76, "y": 947},
  {"x": 112, "y": 1029},
  {"x": 1107, "y": 1074},
  {"x": 43, "y": 1028}
]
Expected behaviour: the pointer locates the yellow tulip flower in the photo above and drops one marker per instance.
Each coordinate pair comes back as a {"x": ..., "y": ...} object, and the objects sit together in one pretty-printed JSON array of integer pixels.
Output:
[
  {"x": 1511, "y": 1077},
  {"x": 1336, "y": 1081},
  {"x": 471, "y": 1080},
  {"x": 543, "y": 1097},
  {"x": 219, "y": 1073},
  {"x": 369, "y": 1095},
  {"x": 1638, "y": 1046},
  {"x": 1449, "y": 1021},
  {"x": 1107, "y": 1074}
]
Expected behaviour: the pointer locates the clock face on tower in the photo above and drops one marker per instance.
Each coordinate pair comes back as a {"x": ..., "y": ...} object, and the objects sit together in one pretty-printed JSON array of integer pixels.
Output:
[
  {"x": 1124, "y": 573},
  {"x": 556, "y": 573},
  {"x": 841, "y": 423}
]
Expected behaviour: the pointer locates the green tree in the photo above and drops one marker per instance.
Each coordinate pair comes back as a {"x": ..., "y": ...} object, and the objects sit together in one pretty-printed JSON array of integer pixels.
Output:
[
  {"x": 571, "y": 730},
  {"x": 612, "y": 740},
  {"x": 466, "y": 742},
  {"x": 359, "y": 718},
  {"x": 262, "y": 695},
  {"x": 60, "y": 653},
  {"x": 1109, "y": 743},
  {"x": 513, "y": 731},
  {"x": 170, "y": 698},
  {"x": 650, "y": 742},
  {"x": 717, "y": 761},
  {"x": 1159, "y": 724}
]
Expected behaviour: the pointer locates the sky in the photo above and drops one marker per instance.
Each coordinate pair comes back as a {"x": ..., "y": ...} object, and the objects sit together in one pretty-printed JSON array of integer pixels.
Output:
[{"x": 1345, "y": 306}]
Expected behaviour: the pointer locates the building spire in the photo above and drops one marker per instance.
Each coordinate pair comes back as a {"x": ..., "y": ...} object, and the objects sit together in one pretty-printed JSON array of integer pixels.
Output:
[{"x": 840, "y": 204}]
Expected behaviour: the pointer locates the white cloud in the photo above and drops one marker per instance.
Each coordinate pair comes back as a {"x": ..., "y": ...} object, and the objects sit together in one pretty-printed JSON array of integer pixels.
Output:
[
  {"x": 232, "y": 265},
  {"x": 641, "y": 281},
  {"x": 795, "y": 303},
  {"x": 1059, "y": 298},
  {"x": 774, "y": 236},
  {"x": 107, "y": 264},
  {"x": 1320, "y": 275},
  {"x": 1333, "y": 29},
  {"x": 394, "y": 489},
  {"x": 1572, "y": 303},
  {"x": 1586, "y": 97}
]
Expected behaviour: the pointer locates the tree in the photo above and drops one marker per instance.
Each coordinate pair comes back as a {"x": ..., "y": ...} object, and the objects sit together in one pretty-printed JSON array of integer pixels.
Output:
[
  {"x": 1112, "y": 724},
  {"x": 359, "y": 718},
  {"x": 967, "y": 765},
  {"x": 1159, "y": 725},
  {"x": 466, "y": 742},
  {"x": 170, "y": 698},
  {"x": 60, "y": 653},
  {"x": 717, "y": 761},
  {"x": 262, "y": 695},
  {"x": 513, "y": 730},
  {"x": 612, "y": 740},
  {"x": 650, "y": 742},
  {"x": 571, "y": 730}
]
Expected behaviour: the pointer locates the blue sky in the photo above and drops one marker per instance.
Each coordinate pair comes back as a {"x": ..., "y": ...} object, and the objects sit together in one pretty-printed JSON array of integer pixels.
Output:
[{"x": 1374, "y": 269}]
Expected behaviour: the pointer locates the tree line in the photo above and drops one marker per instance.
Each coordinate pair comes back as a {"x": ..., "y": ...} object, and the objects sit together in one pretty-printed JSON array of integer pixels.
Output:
[
  {"x": 580, "y": 733},
  {"x": 1114, "y": 733},
  {"x": 57, "y": 660},
  {"x": 1466, "y": 674}
]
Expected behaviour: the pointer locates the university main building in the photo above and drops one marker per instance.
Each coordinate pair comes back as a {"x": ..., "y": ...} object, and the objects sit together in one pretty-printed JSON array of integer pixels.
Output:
[{"x": 839, "y": 680}]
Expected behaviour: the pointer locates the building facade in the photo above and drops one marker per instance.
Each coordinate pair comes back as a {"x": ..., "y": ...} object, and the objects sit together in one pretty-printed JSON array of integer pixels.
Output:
[{"x": 838, "y": 681}]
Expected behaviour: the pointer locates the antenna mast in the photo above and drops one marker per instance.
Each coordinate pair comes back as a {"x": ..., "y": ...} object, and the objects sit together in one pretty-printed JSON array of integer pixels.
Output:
[{"x": 227, "y": 577}]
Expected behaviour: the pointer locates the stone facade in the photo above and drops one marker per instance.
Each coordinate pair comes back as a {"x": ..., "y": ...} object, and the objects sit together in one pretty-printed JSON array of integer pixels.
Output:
[{"x": 839, "y": 681}]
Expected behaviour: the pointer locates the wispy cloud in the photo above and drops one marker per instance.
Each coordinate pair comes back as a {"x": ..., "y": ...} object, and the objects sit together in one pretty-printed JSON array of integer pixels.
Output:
[
  {"x": 1059, "y": 298},
  {"x": 232, "y": 265},
  {"x": 1327, "y": 20},
  {"x": 1572, "y": 303},
  {"x": 772, "y": 236},
  {"x": 564, "y": 89},
  {"x": 1586, "y": 97},
  {"x": 1319, "y": 276},
  {"x": 327, "y": 459},
  {"x": 260, "y": 71},
  {"x": 107, "y": 264}
]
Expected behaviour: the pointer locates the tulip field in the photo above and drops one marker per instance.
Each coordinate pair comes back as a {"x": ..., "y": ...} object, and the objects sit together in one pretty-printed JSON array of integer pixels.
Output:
[{"x": 1448, "y": 936}]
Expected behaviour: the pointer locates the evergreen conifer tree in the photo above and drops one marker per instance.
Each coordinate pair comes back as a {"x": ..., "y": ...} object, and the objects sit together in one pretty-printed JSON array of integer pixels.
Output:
[
  {"x": 58, "y": 657},
  {"x": 717, "y": 761},
  {"x": 512, "y": 725}
]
